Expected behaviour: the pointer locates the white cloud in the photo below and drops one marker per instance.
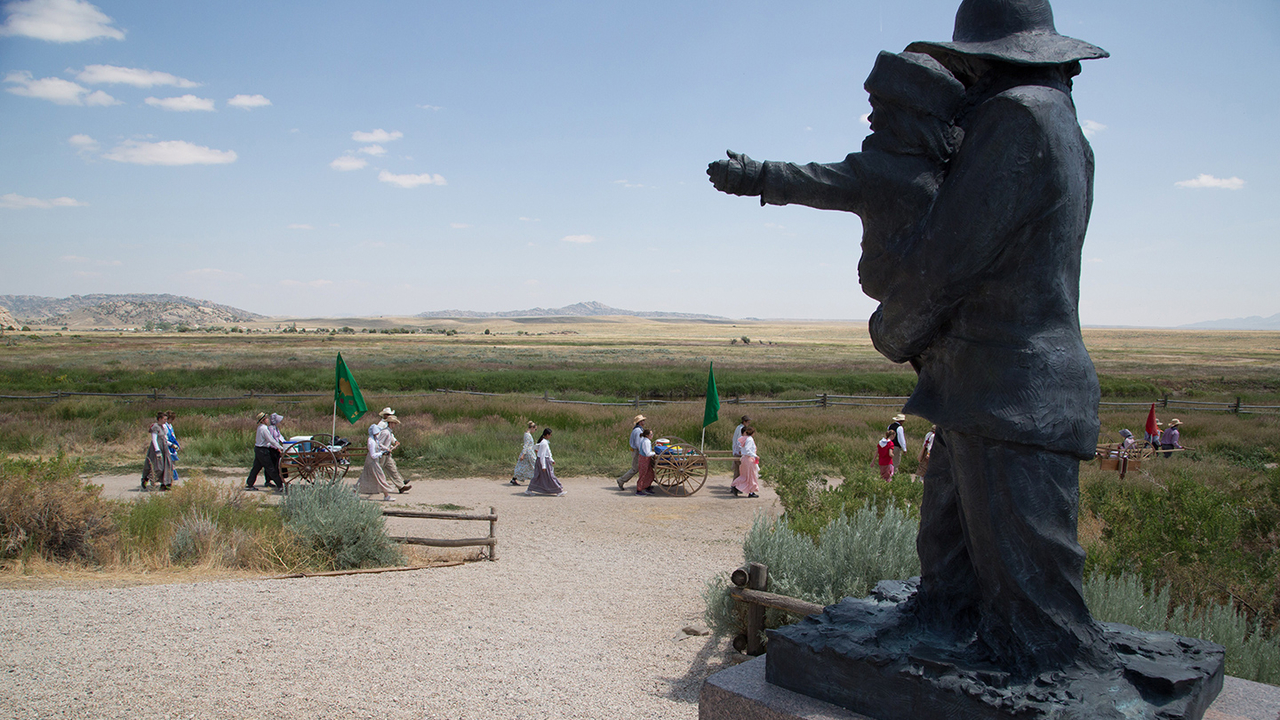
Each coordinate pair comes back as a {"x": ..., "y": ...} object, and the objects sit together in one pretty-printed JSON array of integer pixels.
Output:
[
  {"x": 58, "y": 21},
  {"x": 83, "y": 142},
  {"x": 377, "y": 136},
  {"x": 1092, "y": 128},
  {"x": 1209, "y": 181},
  {"x": 347, "y": 162},
  {"x": 56, "y": 90},
  {"x": 411, "y": 181},
  {"x": 430, "y": 107},
  {"x": 168, "y": 152},
  {"x": 309, "y": 283},
  {"x": 74, "y": 258},
  {"x": 529, "y": 219},
  {"x": 624, "y": 183},
  {"x": 137, "y": 77},
  {"x": 865, "y": 119},
  {"x": 186, "y": 103},
  {"x": 459, "y": 226},
  {"x": 14, "y": 201},
  {"x": 86, "y": 274},
  {"x": 580, "y": 239},
  {"x": 249, "y": 102},
  {"x": 301, "y": 226},
  {"x": 99, "y": 98},
  {"x": 373, "y": 150}
]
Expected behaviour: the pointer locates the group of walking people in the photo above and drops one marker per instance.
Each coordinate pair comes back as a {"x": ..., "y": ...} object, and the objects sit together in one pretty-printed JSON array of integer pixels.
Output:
[
  {"x": 159, "y": 468},
  {"x": 380, "y": 473},
  {"x": 268, "y": 447},
  {"x": 746, "y": 459},
  {"x": 889, "y": 449},
  {"x": 535, "y": 465}
]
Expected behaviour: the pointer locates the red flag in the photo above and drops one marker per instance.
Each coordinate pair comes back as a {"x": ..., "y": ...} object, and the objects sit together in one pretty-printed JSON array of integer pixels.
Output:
[{"x": 1151, "y": 421}]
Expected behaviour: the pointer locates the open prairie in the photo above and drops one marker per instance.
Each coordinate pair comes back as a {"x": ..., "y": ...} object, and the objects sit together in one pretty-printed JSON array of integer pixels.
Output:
[{"x": 1202, "y": 361}]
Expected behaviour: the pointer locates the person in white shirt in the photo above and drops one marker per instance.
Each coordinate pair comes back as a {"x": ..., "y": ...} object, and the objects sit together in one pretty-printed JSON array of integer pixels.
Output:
[
  {"x": 634, "y": 441},
  {"x": 544, "y": 474},
  {"x": 372, "y": 479},
  {"x": 644, "y": 486},
  {"x": 899, "y": 438},
  {"x": 749, "y": 480},
  {"x": 389, "y": 468},
  {"x": 264, "y": 441},
  {"x": 733, "y": 445},
  {"x": 925, "y": 451}
]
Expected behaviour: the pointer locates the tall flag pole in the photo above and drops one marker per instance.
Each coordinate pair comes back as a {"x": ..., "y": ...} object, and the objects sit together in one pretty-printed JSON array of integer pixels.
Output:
[
  {"x": 346, "y": 396},
  {"x": 712, "y": 411}
]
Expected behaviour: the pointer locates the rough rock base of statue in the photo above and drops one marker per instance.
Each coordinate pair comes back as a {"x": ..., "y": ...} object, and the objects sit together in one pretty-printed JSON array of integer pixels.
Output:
[{"x": 855, "y": 655}]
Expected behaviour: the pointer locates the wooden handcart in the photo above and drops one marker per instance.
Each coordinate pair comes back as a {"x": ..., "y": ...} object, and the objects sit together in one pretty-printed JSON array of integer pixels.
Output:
[
  {"x": 320, "y": 457},
  {"x": 1123, "y": 460},
  {"x": 679, "y": 467}
]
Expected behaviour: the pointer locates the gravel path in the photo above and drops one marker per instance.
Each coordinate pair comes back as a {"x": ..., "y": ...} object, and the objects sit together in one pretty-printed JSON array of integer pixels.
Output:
[{"x": 581, "y": 617}]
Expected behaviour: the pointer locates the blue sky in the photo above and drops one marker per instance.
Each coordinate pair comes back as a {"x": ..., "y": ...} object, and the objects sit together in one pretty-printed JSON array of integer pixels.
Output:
[{"x": 322, "y": 158}]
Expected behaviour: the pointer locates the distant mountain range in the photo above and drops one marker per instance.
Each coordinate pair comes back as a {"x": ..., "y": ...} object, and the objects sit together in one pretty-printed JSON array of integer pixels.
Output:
[
  {"x": 1253, "y": 322},
  {"x": 133, "y": 310},
  {"x": 582, "y": 309}
]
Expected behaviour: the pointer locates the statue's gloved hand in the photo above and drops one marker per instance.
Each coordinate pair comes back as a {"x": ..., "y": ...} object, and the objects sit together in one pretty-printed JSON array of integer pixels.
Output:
[{"x": 739, "y": 175}]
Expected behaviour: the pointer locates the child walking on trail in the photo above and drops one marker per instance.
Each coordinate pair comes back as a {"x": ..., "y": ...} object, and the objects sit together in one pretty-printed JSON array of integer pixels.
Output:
[{"x": 884, "y": 453}]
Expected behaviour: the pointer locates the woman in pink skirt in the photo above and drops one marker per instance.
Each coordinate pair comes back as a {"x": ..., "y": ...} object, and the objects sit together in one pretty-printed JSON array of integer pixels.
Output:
[
  {"x": 884, "y": 455},
  {"x": 748, "y": 480}
]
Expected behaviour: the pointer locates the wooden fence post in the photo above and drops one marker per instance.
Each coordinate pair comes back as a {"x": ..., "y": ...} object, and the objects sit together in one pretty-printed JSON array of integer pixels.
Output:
[
  {"x": 1164, "y": 402},
  {"x": 155, "y": 394},
  {"x": 824, "y": 400},
  {"x": 757, "y": 579},
  {"x": 1236, "y": 408},
  {"x": 493, "y": 546}
]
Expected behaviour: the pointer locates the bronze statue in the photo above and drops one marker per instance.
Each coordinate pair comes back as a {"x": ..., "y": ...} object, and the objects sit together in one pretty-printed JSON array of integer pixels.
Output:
[{"x": 975, "y": 188}]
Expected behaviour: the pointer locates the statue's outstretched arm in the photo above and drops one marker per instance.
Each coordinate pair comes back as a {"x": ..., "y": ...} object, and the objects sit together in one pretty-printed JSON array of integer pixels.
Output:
[{"x": 833, "y": 186}]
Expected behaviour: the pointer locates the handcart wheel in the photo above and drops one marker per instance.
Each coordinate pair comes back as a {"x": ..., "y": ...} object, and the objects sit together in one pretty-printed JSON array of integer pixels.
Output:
[
  {"x": 681, "y": 471},
  {"x": 309, "y": 461}
]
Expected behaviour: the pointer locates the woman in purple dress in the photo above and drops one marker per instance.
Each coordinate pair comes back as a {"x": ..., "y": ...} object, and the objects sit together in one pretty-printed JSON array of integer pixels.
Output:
[{"x": 544, "y": 473}]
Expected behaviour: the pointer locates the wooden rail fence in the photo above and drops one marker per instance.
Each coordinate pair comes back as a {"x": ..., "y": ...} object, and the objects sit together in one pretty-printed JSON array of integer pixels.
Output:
[
  {"x": 751, "y": 581},
  {"x": 820, "y": 400},
  {"x": 490, "y": 542}
]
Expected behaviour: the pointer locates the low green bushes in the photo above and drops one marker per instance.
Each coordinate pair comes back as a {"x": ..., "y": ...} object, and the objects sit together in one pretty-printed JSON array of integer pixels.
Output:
[
  {"x": 847, "y": 558},
  {"x": 342, "y": 530},
  {"x": 48, "y": 512},
  {"x": 1251, "y": 654},
  {"x": 1207, "y": 544}
]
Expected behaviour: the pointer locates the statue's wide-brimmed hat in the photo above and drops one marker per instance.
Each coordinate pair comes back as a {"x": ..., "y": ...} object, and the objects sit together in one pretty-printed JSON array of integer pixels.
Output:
[{"x": 1015, "y": 31}]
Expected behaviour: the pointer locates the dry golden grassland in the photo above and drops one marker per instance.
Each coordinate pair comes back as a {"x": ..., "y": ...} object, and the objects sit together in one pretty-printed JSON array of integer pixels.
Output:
[{"x": 1176, "y": 355}]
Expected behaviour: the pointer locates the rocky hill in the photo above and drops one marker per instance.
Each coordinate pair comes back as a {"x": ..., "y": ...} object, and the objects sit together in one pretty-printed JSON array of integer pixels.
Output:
[
  {"x": 121, "y": 311},
  {"x": 582, "y": 309},
  {"x": 7, "y": 320},
  {"x": 1253, "y": 322}
]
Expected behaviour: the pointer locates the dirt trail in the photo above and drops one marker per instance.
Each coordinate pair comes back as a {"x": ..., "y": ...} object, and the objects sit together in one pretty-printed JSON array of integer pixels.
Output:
[{"x": 581, "y": 617}]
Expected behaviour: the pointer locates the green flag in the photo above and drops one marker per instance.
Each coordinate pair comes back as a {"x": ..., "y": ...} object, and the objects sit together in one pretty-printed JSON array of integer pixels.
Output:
[
  {"x": 712, "y": 413},
  {"x": 346, "y": 394}
]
